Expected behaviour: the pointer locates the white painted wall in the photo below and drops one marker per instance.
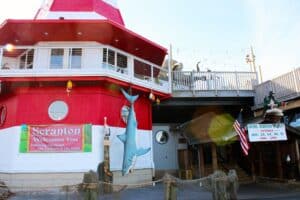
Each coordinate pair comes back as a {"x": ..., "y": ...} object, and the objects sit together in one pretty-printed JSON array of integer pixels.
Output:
[
  {"x": 92, "y": 58},
  {"x": 41, "y": 59},
  {"x": 143, "y": 140},
  {"x": 12, "y": 161}
]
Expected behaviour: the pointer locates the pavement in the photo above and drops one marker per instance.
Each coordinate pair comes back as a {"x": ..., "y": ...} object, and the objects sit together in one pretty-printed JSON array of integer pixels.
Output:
[{"x": 185, "y": 192}]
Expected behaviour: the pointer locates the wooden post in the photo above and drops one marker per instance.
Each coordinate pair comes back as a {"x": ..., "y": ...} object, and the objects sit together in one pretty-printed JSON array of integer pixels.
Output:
[
  {"x": 107, "y": 173},
  {"x": 214, "y": 156},
  {"x": 261, "y": 162},
  {"x": 252, "y": 152},
  {"x": 170, "y": 188},
  {"x": 297, "y": 154},
  {"x": 278, "y": 161},
  {"x": 201, "y": 161}
]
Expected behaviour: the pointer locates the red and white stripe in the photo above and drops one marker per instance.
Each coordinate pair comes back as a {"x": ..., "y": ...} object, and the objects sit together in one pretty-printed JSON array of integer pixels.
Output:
[{"x": 243, "y": 137}]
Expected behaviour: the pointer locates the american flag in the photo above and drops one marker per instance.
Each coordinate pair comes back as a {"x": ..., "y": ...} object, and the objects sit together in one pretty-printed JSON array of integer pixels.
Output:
[{"x": 241, "y": 131}]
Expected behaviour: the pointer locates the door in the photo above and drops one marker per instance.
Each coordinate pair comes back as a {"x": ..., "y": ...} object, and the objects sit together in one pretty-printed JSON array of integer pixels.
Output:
[{"x": 164, "y": 148}]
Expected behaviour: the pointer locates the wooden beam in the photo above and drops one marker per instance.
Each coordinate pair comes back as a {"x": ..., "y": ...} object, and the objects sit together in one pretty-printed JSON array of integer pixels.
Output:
[
  {"x": 261, "y": 162},
  {"x": 201, "y": 167},
  {"x": 214, "y": 156},
  {"x": 278, "y": 161},
  {"x": 297, "y": 154},
  {"x": 252, "y": 152}
]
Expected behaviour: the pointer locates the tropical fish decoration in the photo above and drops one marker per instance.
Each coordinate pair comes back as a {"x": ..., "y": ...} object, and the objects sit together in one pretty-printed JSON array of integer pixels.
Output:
[{"x": 129, "y": 138}]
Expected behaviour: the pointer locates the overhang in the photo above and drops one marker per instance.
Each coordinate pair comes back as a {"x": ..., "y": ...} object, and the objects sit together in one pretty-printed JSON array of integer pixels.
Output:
[{"x": 30, "y": 32}]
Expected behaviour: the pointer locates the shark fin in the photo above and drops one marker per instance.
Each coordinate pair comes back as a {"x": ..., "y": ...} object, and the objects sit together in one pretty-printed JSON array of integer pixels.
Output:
[
  {"x": 122, "y": 137},
  {"x": 141, "y": 152},
  {"x": 130, "y": 98}
]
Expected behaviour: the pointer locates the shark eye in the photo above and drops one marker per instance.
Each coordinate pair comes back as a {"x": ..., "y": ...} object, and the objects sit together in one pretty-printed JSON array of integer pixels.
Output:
[{"x": 124, "y": 113}]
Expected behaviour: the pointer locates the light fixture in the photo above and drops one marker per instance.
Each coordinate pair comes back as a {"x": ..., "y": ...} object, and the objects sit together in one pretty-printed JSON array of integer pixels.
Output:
[
  {"x": 46, "y": 33},
  {"x": 157, "y": 101},
  {"x": 151, "y": 96},
  {"x": 137, "y": 49},
  {"x": 116, "y": 40},
  {"x": 69, "y": 87},
  {"x": 79, "y": 33},
  {"x": 9, "y": 47}
]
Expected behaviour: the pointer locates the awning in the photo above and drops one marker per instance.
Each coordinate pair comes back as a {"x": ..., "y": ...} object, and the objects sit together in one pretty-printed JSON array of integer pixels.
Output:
[{"x": 30, "y": 32}]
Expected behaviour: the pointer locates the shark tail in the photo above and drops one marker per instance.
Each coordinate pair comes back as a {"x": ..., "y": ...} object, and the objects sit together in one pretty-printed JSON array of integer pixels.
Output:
[{"x": 130, "y": 98}]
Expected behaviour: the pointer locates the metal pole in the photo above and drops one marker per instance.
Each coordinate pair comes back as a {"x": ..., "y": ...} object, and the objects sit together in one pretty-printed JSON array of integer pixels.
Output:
[
  {"x": 260, "y": 73},
  {"x": 253, "y": 59},
  {"x": 169, "y": 69}
]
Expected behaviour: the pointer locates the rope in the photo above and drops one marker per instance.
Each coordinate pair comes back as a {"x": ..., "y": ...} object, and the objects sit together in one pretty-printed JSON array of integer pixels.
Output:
[{"x": 166, "y": 179}]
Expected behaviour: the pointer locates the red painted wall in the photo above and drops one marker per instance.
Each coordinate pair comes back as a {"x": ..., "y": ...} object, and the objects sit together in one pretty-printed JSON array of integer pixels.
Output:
[{"x": 86, "y": 105}]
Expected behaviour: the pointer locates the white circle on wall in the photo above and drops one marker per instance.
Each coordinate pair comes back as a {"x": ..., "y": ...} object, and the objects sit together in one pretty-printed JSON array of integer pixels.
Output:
[{"x": 58, "y": 110}]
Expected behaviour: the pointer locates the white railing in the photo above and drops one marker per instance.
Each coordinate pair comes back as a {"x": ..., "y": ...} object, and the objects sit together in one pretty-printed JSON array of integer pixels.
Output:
[
  {"x": 206, "y": 81},
  {"x": 145, "y": 74},
  {"x": 285, "y": 87}
]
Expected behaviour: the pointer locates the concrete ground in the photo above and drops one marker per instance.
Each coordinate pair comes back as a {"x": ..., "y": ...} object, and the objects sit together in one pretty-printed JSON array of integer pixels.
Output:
[{"x": 187, "y": 192}]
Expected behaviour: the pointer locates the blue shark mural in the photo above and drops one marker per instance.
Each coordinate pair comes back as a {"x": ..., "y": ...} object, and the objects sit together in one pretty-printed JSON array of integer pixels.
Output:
[{"x": 129, "y": 138}]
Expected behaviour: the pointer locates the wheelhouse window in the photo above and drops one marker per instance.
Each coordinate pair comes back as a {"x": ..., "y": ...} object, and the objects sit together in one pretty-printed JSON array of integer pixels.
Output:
[
  {"x": 75, "y": 56},
  {"x": 26, "y": 60},
  {"x": 57, "y": 58},
  {"x": 109, "y": 56},
  {"x": 121, "y": 60},
  {"x": 142, "y": 70}
]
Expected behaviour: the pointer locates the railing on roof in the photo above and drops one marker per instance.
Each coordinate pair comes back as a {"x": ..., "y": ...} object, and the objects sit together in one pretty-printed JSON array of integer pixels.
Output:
[
  {"x": 285, "y": 87},
  {"x": 82, "y": 60},
  {"x": 216, "y": 82}
]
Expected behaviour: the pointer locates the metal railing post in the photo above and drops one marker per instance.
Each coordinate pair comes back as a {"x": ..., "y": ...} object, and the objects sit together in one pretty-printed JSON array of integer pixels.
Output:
[
  {"x": 169, "y": 70},
  {"x": 192, "y": 84},
  {"x": 237, "y": 84},
  {"x": 295, "y": 81},
  {"x": 215, "y": 83}
]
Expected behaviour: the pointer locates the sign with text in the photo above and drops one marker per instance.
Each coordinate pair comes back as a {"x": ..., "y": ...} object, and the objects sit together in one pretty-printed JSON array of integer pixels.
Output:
[
  {"x": 56, "y": 138},
  {"x": 266, "y": 132}
]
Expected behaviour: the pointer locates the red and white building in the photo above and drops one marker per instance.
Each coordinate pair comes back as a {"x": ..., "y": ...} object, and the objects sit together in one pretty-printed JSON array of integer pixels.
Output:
[{"x": 63, "y": 70}]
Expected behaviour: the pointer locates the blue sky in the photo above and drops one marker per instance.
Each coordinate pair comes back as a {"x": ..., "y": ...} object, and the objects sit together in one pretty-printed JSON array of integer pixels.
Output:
[{"x": 218, "y": 33}]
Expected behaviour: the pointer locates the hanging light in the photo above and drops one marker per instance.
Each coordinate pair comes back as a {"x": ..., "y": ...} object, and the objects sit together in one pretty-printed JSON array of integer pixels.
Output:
[
  {"x": 151, "y": 96},
  {"x": 157, "y": 101},
  {"x": 69, "y": 86}
]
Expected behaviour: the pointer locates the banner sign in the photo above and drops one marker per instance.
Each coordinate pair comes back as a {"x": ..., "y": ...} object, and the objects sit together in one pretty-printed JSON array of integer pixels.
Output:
[
  {"x": 56, "y": 138},
  {"x": 266, "y": 132}
]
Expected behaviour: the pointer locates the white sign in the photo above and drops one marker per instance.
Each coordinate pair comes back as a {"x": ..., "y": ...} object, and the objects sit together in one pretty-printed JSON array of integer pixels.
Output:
[{"x": 266, "y": 132}]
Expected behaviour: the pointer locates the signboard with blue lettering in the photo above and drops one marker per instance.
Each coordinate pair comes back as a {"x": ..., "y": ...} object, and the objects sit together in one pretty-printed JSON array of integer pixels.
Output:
[{"x": 266, "y": 132}]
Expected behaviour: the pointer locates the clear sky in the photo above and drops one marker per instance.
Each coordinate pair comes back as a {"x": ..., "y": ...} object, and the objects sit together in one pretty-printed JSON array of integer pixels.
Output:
[{"x": 218, "y": 33}]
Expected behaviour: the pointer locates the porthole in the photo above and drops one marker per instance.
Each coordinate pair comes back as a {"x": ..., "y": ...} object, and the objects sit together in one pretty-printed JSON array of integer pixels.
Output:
[
  {"x": 58, "y": 110},
  {"x": 3, "y": 113},
  {"x": 162, "y": 137}
]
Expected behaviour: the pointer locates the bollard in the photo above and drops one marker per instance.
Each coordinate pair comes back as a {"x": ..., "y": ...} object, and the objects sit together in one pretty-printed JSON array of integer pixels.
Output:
[
  {"x": 90, "y": 186},
  {"x": 170, "y": 187},
  {"x": 233, "y": 184}
]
